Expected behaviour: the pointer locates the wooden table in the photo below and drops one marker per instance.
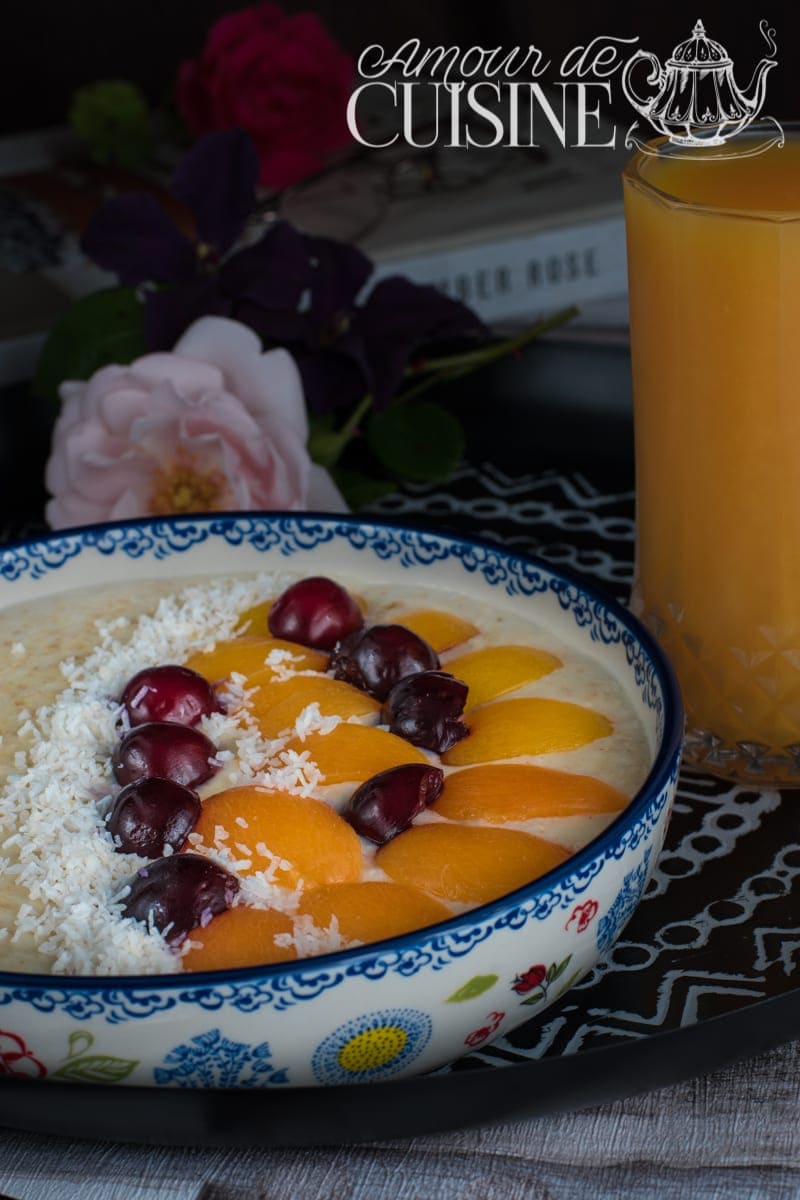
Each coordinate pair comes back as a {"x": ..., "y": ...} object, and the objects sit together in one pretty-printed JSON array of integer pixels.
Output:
[{"x": 734, "y": 1134}]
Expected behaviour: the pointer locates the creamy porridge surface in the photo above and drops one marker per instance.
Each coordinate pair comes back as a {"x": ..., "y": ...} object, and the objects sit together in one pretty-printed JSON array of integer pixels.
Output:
[{"x": 71, "y": 654}]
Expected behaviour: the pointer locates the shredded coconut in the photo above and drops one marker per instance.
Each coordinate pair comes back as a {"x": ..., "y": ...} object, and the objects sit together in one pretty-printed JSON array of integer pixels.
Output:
[{"x": 76, "y": 883}]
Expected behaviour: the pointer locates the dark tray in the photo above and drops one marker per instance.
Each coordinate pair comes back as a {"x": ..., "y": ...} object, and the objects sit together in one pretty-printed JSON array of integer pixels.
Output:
[{"x": 703, "y": 974}]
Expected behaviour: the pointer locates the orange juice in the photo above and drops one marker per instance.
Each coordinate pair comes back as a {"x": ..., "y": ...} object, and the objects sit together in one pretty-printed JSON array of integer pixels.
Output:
[{"x": 714, "y": 270}]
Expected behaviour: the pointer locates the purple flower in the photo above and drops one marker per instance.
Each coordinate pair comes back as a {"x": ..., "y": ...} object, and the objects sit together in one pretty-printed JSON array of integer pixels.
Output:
[{"x": 308, "y": 294}]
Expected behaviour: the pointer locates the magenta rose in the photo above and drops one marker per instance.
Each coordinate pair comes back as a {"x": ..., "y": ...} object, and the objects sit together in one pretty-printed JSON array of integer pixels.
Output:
[
  {"x": 282, "y": 78},
  {"x": 214, "y": 425}
]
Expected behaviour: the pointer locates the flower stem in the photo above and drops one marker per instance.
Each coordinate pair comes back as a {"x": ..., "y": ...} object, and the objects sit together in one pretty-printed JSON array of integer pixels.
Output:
[
  {"x": 453, "y": 366},
  {"x": 356, "y": 417},
  {"x": 325, "y": 445},
  {"x": 506, "y": 346}
]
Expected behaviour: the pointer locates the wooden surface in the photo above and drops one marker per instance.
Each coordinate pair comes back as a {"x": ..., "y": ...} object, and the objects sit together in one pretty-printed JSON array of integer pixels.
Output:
[{"x": 734, "y": 1135}]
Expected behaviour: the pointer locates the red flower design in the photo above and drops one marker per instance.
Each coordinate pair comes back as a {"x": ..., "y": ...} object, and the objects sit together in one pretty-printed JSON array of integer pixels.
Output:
[
  {"x": 529, "y": 979},
  {"x": 477, "y": 1036},
  {"x": 17, "y": 1059},
  {"x": 281, "y": 78},
  {"x": 480, "y": 1035},
  {"x": 582, "y": 915}
]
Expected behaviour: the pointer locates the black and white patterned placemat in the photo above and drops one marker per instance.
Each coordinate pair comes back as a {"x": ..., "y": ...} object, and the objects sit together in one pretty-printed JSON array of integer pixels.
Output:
[{"x": 718, "y": 928}]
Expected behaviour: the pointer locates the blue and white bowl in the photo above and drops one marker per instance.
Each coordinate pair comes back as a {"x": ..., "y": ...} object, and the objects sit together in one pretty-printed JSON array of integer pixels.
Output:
[{"x": 397, "y": 1007}]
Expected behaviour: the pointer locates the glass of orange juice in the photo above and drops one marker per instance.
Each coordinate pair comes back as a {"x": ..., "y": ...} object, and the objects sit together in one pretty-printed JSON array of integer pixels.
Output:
[{"x": 714, "y": 273}]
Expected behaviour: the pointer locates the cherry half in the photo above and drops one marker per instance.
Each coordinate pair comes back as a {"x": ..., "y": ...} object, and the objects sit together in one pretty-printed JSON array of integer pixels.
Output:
[
  {"x": 377, "y": 658},
  {"x": 166, "y": 750},
  {"x": 178, "y": 893},
  {"x": 315, "y": 612},
  {"x": 152, "y": 814},
  {"x": 425, "y": 709},
  {"x": 169, "y": 693},
  {"x": 387, "y": 803}
]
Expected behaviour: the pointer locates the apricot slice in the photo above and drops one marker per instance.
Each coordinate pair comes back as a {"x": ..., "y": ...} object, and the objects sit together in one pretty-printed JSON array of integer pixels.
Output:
[
  {"x": 240, "y": 937},
  {"x": 254, "y": 619},
  {"x": 277, "y": 704},
  {"x": 293, "y": 837},
  {"x": 501, "y": 792},
  {"x": 527, "y": 726},
  {"x": 467, "y": 864},
  {"x": 441, "y": 630},
  {"x": 353, "y": 753},
  {"x": 490, "y": 672},
  {"x": 369, "y": 912},
  {"x": 247, "y": 655}
]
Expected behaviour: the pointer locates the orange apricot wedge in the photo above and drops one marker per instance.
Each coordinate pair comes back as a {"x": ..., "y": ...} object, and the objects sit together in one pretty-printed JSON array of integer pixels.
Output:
[
  {"x": 277, "y": 704},
  {"x": 526, "y": 727},
  {"x": 247, "y": 656},
  {"x": 371, "y": 911},
  {"x": 353, "y": 753},
  {"x": 466, "y": 864},
  {"x": 498, "y": 792},
  {"x": 293, "y": 838},
  {"x": 441, "y": 630},
  {"x": 494, "y": 670},
  {"x": 240, "y": 937}
]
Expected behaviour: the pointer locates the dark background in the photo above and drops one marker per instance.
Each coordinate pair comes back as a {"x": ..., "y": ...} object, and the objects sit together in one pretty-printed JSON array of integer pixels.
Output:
[
  {"x": 582, "y": 414},
  {"x": 49, "y": 49}
]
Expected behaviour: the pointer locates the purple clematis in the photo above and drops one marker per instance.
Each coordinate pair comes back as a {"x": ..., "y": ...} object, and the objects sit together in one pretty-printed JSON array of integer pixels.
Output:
[{"x": 309, "y": 294}]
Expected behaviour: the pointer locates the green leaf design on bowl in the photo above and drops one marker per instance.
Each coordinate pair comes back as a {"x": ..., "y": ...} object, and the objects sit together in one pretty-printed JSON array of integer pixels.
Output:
[{"x": 472, "y": 988}]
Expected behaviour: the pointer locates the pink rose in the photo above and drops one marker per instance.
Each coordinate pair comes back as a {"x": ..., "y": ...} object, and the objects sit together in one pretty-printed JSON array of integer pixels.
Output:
[
  {"x": 214, "y": 425},
  {"x": 282, "y": 78}
]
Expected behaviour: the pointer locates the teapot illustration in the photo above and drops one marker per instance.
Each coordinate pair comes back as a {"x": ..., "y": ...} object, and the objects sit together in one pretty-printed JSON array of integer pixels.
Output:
[{"x": 697, "y": 102}]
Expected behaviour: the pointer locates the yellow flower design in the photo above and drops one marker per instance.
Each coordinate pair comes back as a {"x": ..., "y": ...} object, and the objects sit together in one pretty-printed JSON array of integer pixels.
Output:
[{"x": 372, "y": 1047}]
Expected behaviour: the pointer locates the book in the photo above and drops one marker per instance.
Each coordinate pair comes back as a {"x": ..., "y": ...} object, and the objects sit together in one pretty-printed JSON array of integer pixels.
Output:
[{"x": 528, "y": 239}]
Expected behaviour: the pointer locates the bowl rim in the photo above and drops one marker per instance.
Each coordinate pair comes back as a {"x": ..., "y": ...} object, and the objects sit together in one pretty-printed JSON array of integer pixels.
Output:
[{"x": 666, "y": 759}]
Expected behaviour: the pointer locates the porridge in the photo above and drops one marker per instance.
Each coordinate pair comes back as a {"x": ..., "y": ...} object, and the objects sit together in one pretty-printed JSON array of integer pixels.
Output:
[{"x": 254, "y": 770}]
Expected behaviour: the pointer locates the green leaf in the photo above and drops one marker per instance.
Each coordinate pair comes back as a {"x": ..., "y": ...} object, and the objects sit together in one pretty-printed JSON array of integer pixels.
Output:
[
  {"x": 112, "y": 116},
  {"x": 535, "y": 997},
  {"x": 360, "y": 490},
  {"x": 79, "y": 1042},
  {"x": 419, "y": 442},
  {"x": 104, "y": 327},
  {"x": 96, "y": 1068},
  {"x": 472, "y": 988},
  {"x": 560, "y": 969}
]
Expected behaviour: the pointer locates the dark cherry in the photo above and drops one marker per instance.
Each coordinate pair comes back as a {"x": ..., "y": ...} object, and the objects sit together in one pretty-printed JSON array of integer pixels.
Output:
[
  {"x": 315, "y": 612},
  {"x": 378, "y": 658},
  {"x": 387, "y": 804},
  {"x": 179, "y": 893},
  {"x": 166, "y": 750},
  {"x": 425, "y": 709},
  {"x": 151, "y": 814},
  {"x": 169, "y": 693}
]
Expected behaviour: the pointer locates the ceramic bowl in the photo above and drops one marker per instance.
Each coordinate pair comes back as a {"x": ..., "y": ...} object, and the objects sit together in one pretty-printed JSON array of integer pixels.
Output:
[{"x": 396, "y": 1007}]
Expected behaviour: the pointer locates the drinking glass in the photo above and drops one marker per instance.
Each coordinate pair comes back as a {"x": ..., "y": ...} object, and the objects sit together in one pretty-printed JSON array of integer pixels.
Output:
[{"x": 714, "y": 273}]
